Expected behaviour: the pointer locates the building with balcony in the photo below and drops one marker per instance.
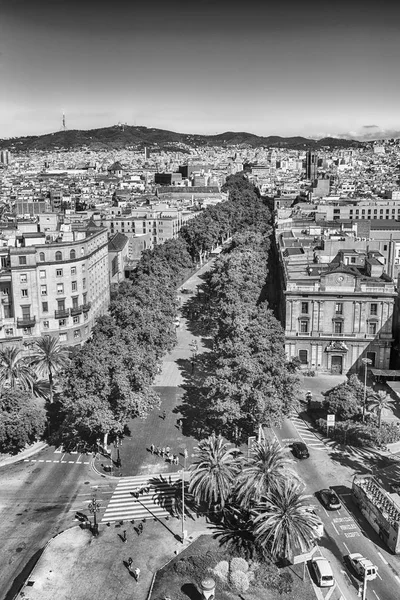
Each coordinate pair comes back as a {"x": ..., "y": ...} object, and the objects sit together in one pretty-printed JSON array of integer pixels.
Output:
[
  {"x": 53, "y": 286},
  {"x": 336, "y": 313}
]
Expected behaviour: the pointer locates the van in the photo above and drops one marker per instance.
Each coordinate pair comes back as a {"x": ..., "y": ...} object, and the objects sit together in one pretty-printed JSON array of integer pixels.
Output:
[{"x": 322, "y": 571}]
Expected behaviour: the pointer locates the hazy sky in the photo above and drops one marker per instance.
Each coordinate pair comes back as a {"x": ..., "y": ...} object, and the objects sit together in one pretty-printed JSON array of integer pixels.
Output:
[{"x": 270, "y": 68}]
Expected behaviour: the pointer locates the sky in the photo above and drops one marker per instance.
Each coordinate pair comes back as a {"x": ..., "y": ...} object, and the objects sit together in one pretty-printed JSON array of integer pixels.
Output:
[{"x": 285, "y": 68}]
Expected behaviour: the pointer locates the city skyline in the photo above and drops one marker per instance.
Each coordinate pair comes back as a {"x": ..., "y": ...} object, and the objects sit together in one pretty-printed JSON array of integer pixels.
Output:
[{"x": 314, "y": 70}]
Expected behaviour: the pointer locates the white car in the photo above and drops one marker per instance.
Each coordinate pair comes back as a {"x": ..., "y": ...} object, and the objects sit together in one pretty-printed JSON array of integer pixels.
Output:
[
  {"x": 363, "y": 566},
  {"x": 322, "y": 571}
]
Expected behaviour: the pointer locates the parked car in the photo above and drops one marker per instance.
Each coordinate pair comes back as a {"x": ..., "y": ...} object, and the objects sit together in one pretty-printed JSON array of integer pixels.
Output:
[
  {"x": 300, "y": 450},
  {"x": 322, "y": 571},
  {"x": 330, "y": 499},
  {"x": 363, "y": 567}
]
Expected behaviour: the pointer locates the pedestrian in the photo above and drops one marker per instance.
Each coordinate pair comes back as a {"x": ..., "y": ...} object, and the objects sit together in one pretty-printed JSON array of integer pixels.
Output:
[
  {"x": 136, "y": 574},
  {"x": 152, "y": 448},
  {"x": 130, "y": 561},
  {"x": 192, "y": 367},
  {"x": 162, "y": 452},
  {"x": 164, "y": 414},
  {"x": 176, "y": 459},
  {"x": 124, "y": 536},
  {"x": 167, "y": 450},
  {"x": 140, "y": 528}
]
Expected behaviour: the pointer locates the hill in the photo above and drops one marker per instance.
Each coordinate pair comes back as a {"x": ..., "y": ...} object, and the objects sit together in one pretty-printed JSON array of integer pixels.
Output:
[{"x": 119, "y": 137}]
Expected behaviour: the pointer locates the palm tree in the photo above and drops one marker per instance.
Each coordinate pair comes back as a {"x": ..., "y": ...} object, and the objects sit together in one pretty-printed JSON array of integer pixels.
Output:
[
  {"x": 49, "y": 360},
  {"x": 283, "y": 523},
  {"x": 14, "y": 369},
  {"x": 262, "y": 471},
  {"x": 378, "y": 402},
  {"x": 236, "y": 533},
  {"x": 213, "y": 472}
]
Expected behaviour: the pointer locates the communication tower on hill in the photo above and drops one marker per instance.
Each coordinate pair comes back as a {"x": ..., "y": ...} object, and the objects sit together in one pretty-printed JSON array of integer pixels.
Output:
[{"x": 63, "y": 122}]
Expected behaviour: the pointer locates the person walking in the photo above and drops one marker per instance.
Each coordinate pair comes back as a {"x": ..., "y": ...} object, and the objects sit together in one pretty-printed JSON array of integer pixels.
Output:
[
  {"x": 152, "y": 448},
  {"x": 136, "y": 574},
  {"x": 140, "y": 528},
  {"x": 124, "y": 538},
  {"x": 162, "y": 452},
  {"x": 130, "y": 561},
  {"x": 164, "y": 414}
]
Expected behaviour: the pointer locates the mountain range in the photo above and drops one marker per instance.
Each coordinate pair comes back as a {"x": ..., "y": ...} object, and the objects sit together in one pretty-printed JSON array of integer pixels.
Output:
[{"x": 119, "y": 137}]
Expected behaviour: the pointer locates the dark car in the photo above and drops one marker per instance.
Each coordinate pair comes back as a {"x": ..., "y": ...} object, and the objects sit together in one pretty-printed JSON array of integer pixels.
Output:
[
  {"x": 330, "y": 499},
  {"x": 300, "y": 450}
]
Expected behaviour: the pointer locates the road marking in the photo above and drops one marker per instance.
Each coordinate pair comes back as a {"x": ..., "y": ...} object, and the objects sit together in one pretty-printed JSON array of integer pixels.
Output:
[
  {"x": 330, "y": 592},
  {"x": 349, "y": 526},
  {"x": 41, "y": 460},
  {"x": 352, "y": 534},
  {"x": 376, "y": 594},
  {"x": 26, "y": 459},
  {"x": 398, "y": 578},
  {"x": 71, "y": 462},
  {"x": 343, "y": 519},
  {"x": 87, "y": 463},
  {"x": 63, "y": 461},
  {"x": 383, "y": 558},
  {"x": 77, "y": 460},
  {"x": 49, "y": 461},
  {"x": 345, "y": 545},
  {"x": 56, "y": 461},
  {"x": 62, "y": 456},
  {"x": 379, "y": 575},
  {"x": 33, "y": 459},
  {"x": 334, "y": 527}
]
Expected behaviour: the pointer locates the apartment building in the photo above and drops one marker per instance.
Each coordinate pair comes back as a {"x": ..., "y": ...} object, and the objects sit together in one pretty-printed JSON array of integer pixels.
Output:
[
  {"x": 337, "y": 313},
  {"x": 53, "y": 287}
]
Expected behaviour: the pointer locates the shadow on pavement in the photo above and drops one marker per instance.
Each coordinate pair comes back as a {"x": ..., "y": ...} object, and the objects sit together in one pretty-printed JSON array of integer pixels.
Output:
[{"x": 168, "y": 495}]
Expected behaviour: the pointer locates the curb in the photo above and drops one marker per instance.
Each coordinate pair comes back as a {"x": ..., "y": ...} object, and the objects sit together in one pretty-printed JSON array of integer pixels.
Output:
[{"x": 23, "y": 454}]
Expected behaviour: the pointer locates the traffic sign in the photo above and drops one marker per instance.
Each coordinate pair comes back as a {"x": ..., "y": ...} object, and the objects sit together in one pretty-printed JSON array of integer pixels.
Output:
[{"x": 330, "y": 420}]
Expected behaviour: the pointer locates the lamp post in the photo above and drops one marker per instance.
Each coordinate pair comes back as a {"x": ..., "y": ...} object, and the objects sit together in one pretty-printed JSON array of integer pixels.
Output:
[
  {"x": 94, "y": 507},
  {"x": 185, "y": 455},
  {"x": 366, "y": 362}
]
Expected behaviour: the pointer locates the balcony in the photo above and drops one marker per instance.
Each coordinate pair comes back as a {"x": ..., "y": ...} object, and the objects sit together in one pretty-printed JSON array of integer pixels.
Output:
[
  {"x": 26, "y": 322},
  {"x": 86, "y": 307},
  {"x": 61, "y": 314},
  {"x": 76, "y": 310}
]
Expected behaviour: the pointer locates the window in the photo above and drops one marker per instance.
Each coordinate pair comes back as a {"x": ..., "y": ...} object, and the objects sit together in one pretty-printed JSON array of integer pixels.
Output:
[
  {"x": 114, "y": 266},
  {"x": 27, "y": 330},
  {"x": 59, "y": 272},
  {"x": 45, "y": 306},
  {"x": 73, "y": 270},
  {"x": 45, "y": 324},
  {"x": 62, "y": 323},
  {"x": 82, "y": 251},
  {"x": 58, "y": 255},
  {"x": 72, "y": 254},
  {"x": 83, "y": 268},
  {"x": 60, "y": 304},
  {"x": 24, "y": 293},
  {"x": 43, "y": 290},
  {"x": 338, "y": 327},
  {"x": 74, "y": 286},
  {"x": 22, "y": 260},
  {"x": 77, "y": 333},
  {"x": 62, "y": 337},
  {"x": 374, "y": 309},
  {"x": 372, "y": 328},
  {"x": 352, "y": 259},
  {"x": 75, "y": 302},
  {"x": 84, "y": 283},
  {"x": 23, "y": 278},
  {"x": 5, "y": 291},
  {"x": 42, "y": 274},
  {"x": 60, "y": 288},
  {"x": 9, "y": 331},
  {"x": 42, "y": 256},
  {"x": 304, "y": 326},
  {"x": 339, "y": 308},
  {"x": 303, "y": 357},
  {"x": 384, "y": 247},
  {"x": 76, "y": 320},
  {"x": 304, "y": 308}
]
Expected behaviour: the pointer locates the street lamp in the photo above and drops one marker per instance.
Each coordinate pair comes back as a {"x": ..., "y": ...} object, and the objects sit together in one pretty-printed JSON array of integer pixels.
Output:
[
  {"x": 366, "y": 362},
  {"x": 185, "y": 455},
  {"x": 94, "y": 507}
]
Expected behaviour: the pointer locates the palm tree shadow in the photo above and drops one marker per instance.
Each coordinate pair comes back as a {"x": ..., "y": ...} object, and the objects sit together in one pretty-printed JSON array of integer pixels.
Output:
[{"x": 168, "y": 495}]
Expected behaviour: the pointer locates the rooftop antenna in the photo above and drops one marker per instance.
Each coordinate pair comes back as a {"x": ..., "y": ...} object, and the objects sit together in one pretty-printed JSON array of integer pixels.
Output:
[{"x": 63, "y": 121}]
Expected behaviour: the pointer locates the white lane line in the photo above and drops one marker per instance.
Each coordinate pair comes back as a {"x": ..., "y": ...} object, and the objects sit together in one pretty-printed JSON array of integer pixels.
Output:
[
  {"x": 334, "y": 527},
  {"x": 376, "y": 594},
  {"x": 33, "y": 459},
  {"x": 383, "y": 558},
  {"x": 26, "y": 459},
  {"x": 345, "y": 545},
  {"x": 398, "y": 578},
  {"x": 56, "y": 461},
  {"x": 49, "y": 461},
  {"x": 379, "y": 575},
  {"x": 71, "y": 462},
  {"x": 87, "y": 463},
  {"x": 63, "y": 461},
  {"x": 41, "y": 460}
]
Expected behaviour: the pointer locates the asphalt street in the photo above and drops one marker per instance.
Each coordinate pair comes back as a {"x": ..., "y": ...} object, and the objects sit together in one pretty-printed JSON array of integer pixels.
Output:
[
  {"x": 346, "y": 530},
  {"x": 35, "y": 504}
]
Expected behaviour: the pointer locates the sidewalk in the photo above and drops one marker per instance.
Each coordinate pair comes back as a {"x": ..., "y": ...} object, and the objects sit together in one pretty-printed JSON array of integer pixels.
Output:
[
  {"x": 77, "y": 565},
  {"x": 9, "y": 459},
  {"x": 159, "y": 429}
]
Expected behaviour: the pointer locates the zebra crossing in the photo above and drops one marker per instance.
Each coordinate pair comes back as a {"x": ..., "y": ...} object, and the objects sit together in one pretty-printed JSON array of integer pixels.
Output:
[
  {"x": 156, "y": 497},
  {"x": 307, "y": 435}
]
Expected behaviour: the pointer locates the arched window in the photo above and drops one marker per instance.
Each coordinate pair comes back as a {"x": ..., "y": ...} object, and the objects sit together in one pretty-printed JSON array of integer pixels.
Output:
[
  {"x": 72, "y": 254},
  {"x": 58, "y": 255},
  {"x": 42, "y": 257}
]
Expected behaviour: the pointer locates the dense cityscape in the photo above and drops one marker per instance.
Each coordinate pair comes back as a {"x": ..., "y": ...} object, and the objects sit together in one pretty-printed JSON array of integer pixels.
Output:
[{"x": 205, "y": 338}]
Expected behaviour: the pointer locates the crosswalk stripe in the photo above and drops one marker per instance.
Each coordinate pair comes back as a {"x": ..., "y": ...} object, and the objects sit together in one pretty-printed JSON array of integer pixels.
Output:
[{"x": 156, "y": 502}]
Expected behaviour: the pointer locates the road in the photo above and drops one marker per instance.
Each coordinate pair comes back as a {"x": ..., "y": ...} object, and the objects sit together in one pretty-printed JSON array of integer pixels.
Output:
[
  {"x": 36, "y": 502},
  {"x": 346, "y": 530}
]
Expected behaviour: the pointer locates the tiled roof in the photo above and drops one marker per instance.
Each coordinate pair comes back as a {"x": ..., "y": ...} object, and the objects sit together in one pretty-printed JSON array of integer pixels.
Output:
[{"x": 117, "y": 242}]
